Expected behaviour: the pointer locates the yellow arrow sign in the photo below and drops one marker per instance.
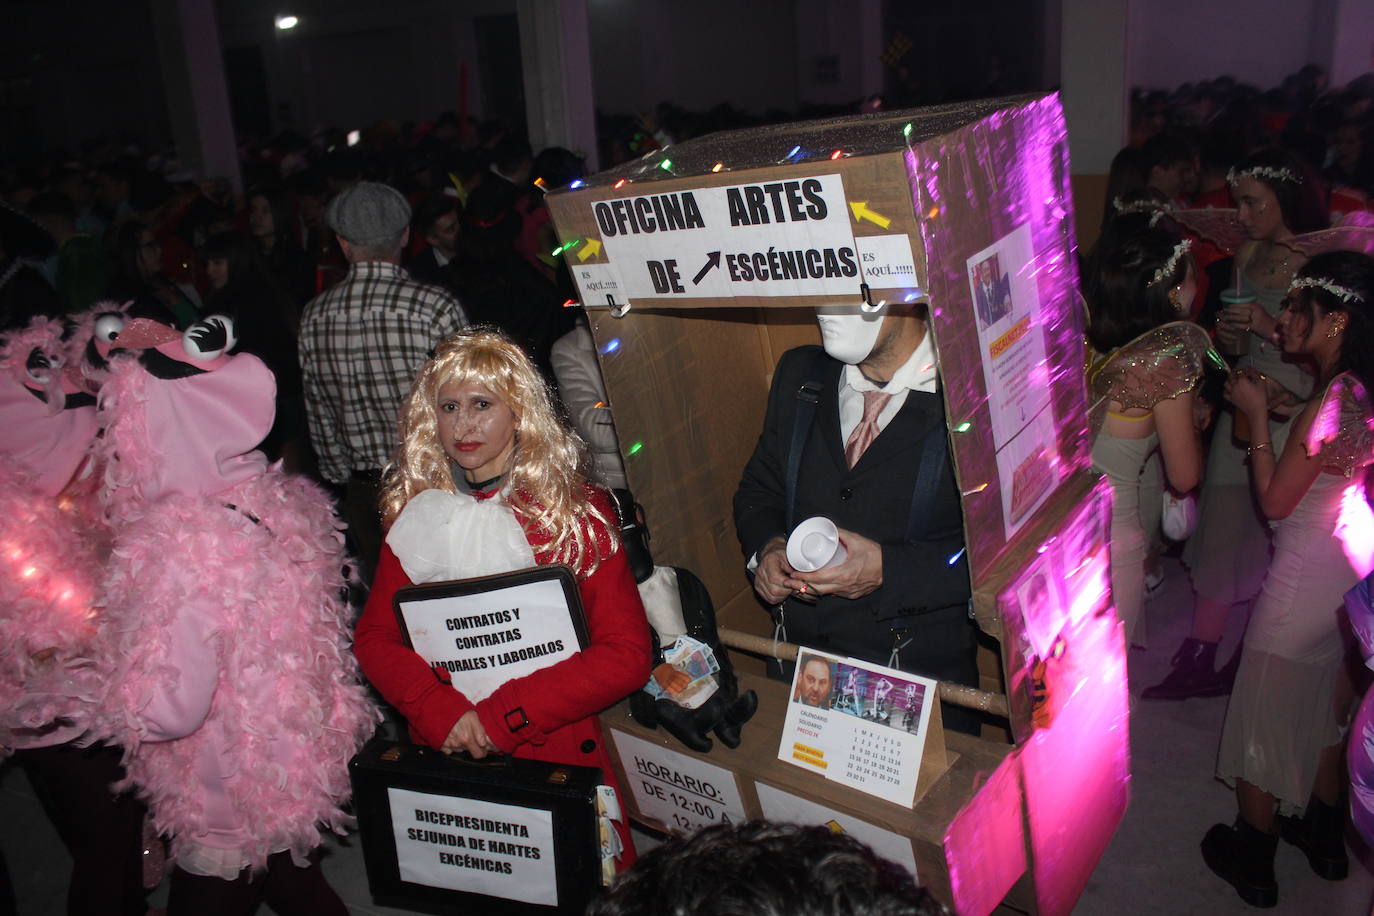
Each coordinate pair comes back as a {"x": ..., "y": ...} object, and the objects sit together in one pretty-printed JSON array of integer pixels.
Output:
[
  {"x": 861, "y": 213},
  {"x": 589, "y": 250}
]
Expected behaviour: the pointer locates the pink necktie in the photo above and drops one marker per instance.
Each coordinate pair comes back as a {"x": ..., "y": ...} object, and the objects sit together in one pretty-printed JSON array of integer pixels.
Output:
[{"x": 867, "y": 430}]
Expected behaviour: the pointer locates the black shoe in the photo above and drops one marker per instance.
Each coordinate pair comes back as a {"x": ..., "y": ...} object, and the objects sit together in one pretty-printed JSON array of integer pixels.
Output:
[
  {"x": 1193, "y": 674},
  {"x": 1243, "y": 857},
  {"x": 1320, "y": 834}
]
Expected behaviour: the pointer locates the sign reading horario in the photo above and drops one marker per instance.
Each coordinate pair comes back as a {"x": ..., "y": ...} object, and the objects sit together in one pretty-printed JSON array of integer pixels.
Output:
[{"x": 777, "y": 238}]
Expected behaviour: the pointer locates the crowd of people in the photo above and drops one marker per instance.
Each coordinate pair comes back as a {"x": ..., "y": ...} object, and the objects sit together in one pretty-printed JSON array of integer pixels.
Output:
[
  {"x": 1248, "y": 213},
  {"x": 202, "y": 380}
]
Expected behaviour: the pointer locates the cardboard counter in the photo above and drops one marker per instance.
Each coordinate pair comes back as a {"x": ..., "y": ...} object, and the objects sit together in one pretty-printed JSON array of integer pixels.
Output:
[{"x": 674, "y": 790}]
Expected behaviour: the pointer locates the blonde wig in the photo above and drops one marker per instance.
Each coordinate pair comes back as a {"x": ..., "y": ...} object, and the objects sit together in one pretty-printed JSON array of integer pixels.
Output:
[{"x": 546, "y": 485}]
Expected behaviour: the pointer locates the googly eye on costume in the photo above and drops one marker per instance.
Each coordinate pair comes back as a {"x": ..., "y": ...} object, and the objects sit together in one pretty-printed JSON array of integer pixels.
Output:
[
  {"x": 209, "y": 338},
  {"x": 40, "y": 366},
  {"x": 108, "y": 326}
]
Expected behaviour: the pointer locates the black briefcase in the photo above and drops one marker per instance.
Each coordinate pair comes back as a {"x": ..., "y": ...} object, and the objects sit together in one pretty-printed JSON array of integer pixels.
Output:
[{"x": 451, "y": 835}]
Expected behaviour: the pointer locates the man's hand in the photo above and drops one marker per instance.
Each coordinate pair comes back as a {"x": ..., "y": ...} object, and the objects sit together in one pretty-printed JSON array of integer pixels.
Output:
[
  {"x": 859, "y": 574},
  {"x": 468, "y": 735},
  {"x": 773, "y": 576}
]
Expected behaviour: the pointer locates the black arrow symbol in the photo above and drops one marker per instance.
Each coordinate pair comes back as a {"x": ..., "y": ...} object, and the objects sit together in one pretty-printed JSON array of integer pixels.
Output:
[{"x": 712, "y": 260}]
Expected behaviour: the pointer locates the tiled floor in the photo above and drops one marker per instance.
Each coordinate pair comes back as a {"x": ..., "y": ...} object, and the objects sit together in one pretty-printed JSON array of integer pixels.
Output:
[{"x": 1152, "y": 866}]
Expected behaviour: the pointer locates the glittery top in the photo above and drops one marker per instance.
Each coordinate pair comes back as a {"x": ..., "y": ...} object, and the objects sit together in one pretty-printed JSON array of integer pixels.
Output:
[
  {"x": 1160, "y": 364},
  {"x": 1343, "y": 430}
]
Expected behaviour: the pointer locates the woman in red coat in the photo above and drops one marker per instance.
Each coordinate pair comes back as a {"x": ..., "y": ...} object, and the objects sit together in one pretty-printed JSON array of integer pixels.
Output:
[{"x": 487, "y": 479}]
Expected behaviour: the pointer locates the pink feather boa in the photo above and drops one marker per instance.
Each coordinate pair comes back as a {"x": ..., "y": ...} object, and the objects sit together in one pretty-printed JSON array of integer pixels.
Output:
[
  {"x": 51, "y": 554},
  {"x": 289, "y": 708},
  {"x": 45, "y": 335}
]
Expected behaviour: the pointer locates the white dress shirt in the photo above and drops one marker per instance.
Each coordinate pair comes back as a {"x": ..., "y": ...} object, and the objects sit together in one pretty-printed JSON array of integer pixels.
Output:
[{"x": 918, "y": 373}]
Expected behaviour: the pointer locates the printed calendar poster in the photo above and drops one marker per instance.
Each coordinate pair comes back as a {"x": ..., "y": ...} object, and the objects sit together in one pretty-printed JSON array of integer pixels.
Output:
[{"x": 857, "y": 723}]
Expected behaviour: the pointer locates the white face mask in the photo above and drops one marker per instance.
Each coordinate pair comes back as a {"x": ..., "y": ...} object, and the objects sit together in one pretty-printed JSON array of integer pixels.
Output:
[{"x": 848, "y": 333}]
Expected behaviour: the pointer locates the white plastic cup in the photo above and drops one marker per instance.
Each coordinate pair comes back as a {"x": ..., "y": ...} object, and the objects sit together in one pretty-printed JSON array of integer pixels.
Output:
[{"x": 815, "y": 544}]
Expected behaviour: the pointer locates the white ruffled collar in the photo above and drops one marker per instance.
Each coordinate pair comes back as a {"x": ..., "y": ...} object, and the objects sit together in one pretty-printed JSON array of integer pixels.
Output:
[{"x": 441, "y": 536}]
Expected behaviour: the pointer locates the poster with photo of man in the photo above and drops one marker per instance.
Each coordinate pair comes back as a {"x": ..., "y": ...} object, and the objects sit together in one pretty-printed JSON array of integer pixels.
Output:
[
  {"x": 991, "y": 291},
  {"x": 815, "y": 680}
]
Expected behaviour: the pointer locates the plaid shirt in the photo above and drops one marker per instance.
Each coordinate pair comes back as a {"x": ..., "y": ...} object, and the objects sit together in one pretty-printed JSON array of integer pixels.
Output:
[{"x": 361, "y": 343}]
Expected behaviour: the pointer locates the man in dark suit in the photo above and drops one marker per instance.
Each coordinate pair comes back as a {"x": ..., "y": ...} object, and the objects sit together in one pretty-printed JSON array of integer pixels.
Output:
[
  {"x": 991, "y": 293},
  {"x": 874, "y": 459},
  {"x": 436, "y": 221}
]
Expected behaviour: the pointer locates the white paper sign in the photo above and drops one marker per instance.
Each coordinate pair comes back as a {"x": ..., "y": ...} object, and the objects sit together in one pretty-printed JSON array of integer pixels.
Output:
[
  {"x": 1016, "y": 373},
  {"x": 597, "y": 281},
  {"x": 785, "y": 807},
  {"x": 858, "y": 724},
  {"x": 480, "y": 847},
  {"x": 495, "y": 636},
  {"x": 887, "y": 261},
  {"x": 784, "y": 238},
  {"x": 680, "y": 792}
]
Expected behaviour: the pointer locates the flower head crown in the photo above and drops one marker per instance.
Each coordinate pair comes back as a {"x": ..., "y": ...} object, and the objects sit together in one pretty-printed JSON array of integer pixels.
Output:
[
  {"x": 1167, "y": 269},
  {"x": 1343, "y": 293},
  {"x": 1144, "y": 205},
  {"x": 1263, "y": 171}
]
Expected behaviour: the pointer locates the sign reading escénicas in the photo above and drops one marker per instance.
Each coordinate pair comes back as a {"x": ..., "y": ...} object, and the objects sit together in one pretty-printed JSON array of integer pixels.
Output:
[{"x": 780, "y": 238}]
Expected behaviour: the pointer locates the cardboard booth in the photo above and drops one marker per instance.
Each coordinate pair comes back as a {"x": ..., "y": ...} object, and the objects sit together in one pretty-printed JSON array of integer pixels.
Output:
[{"x": 701, "y": 264}]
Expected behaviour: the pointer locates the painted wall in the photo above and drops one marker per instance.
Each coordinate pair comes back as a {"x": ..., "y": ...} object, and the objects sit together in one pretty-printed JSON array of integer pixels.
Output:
[
  {"x": 1256, "y": 41},
  {"x": 1352, "y": 51},
  {"x": 697, "y": 55},
  {"x": 1093, "y": 73}
]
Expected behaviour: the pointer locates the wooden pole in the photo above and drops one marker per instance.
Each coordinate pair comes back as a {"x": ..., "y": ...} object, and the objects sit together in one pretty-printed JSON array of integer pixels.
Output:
[{"x": 958, "y": 694}]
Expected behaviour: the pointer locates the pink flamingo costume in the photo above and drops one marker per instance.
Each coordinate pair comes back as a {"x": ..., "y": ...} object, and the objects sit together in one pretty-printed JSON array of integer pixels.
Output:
[
  {"x": 48, "y": 547},
  {"x": 222, "y": 664}
]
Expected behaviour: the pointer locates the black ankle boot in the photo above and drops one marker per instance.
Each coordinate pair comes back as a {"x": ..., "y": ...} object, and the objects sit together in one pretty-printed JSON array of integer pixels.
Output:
[
  {"x": 1193, "y": 674},
  {"x": 1320, "y": 833},
  {"x": 1244, "y": 858}
]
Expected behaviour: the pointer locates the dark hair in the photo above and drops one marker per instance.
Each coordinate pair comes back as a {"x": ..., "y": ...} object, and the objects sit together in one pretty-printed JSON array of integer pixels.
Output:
[
  {"x": 430, "y": 209},
  {"x": 1127, "y": 176},
  {"x": 1355, "y": 272},
  {"x": 240, "y": 253},
  {"x": 147, "y": 192},
  {"x": 510, "y": 151},
  {"x": 1123, "y": 302},
  {"x": 53, "y": 203},
  {"x": 283, "y": 217},
  {"x": 765, "y": 869},
  {"x": 558, "y": 167},
  {"x": 127, "y": 245},
  {"x": 1165, "y": 149},
  {"x": 490, "y": 221},
  {"x": 1303, "y": 202}
]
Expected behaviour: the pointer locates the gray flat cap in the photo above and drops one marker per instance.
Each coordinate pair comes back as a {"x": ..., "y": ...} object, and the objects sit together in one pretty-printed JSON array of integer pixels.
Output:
[{"x": 368, "y": 213}]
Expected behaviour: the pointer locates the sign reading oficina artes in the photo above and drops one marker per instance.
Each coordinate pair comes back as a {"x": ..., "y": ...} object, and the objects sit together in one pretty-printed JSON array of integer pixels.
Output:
[{"x": 790, "y": 237}]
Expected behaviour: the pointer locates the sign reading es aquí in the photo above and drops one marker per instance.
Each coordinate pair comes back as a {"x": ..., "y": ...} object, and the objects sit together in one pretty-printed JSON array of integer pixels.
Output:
[{"x": 780, "y": 238}]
